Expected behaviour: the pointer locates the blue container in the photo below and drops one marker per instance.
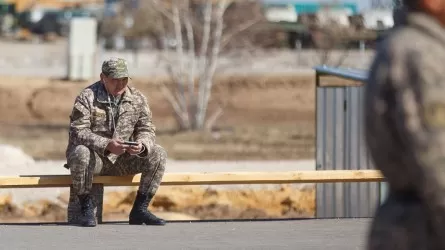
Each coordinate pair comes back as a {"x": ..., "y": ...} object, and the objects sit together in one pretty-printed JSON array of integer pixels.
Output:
[
  {"x": 311, "y": 7},
  {"x": 306, "y": 6}
]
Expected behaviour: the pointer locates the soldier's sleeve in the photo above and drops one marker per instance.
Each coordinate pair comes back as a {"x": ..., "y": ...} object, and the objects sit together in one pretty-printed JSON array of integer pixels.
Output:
[
  {"x": 427, "y": 125},
  {"x": 383, "y": 107},
  {"x": 80, "y": 127},
  {"x": 145, "y": 130},
  {"x": 406, "y": 123}
]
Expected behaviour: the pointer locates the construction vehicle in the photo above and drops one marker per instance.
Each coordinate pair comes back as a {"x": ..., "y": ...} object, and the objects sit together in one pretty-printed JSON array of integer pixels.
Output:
[
  {"x": 49, "y": 19},
  {"x": 22, "y": 5}
]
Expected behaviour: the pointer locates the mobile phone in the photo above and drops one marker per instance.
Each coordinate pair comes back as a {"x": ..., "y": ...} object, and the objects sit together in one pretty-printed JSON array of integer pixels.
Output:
[{"x": 131, "y": 143}]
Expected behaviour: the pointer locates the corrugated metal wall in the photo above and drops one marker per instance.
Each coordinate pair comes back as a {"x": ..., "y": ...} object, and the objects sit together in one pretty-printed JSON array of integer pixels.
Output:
[{"x": 340, "y": 145}]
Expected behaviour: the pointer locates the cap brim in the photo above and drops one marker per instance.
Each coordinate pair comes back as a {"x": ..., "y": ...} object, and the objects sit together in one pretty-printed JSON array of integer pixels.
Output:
[{"x": 119, "y": 77}]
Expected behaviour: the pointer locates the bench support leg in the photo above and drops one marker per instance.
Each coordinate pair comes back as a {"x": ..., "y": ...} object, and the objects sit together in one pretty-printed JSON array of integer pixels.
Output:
[{"x": 73, "y": 212}]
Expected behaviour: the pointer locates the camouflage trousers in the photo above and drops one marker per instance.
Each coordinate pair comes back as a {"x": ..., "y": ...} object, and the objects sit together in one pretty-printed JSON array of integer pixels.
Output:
[
  {"x": 403, "y": 222},
  {"x": 84, "y": 164}
]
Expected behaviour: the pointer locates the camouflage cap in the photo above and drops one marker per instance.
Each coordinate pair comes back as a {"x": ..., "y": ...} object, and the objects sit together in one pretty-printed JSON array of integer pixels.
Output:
[{"x": 115, "y": 68}]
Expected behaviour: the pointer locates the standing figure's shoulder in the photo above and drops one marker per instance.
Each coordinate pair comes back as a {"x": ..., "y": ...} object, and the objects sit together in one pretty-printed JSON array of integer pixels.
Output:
[
  {"x": 412, "y": 45},
  {"x": 400, "y": 54},
  {"x": 401, "y": 42}
]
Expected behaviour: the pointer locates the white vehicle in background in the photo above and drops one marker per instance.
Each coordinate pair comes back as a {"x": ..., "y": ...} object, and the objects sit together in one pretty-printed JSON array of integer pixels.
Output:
[
  {"x": 378, "y": 19},
  {"x": 281, "y": 13},
  {"x": 296, "y": 17}
]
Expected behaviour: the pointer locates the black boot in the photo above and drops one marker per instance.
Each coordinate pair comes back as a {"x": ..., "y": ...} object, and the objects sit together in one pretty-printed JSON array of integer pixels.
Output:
[
  {"x": 140, "y": 215},
  {"x": 87, "y": 218}
]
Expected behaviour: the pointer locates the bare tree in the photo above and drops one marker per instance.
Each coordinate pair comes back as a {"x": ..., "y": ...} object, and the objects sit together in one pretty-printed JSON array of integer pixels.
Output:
[
  {"x": 192, "y": 35},
  {"x": 331, "y": 43}
]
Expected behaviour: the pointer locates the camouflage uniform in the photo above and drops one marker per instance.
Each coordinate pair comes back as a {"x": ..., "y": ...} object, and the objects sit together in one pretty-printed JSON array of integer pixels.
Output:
[
  {"x": 96, "y": 118},
  {"x": 405, "y": 133}
]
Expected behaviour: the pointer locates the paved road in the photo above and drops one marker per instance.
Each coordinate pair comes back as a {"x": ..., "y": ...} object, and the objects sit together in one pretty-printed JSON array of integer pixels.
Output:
[{"x": 324, "y": 234}]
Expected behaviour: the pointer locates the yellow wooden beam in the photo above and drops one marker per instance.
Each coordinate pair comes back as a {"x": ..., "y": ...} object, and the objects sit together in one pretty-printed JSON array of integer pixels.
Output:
[{"x": 214, "y": 178}]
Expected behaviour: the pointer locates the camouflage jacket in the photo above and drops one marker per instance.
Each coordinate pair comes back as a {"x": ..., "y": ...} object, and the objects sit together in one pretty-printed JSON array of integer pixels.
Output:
[
  {"x": 405, "y": 108},
  {"x": 91, "y": 122}
]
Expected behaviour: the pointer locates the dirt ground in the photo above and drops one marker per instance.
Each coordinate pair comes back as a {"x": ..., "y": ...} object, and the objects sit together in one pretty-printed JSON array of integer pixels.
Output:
[
  {"x": 266, "y": 117},
  {"x": 179, "y": 203}
]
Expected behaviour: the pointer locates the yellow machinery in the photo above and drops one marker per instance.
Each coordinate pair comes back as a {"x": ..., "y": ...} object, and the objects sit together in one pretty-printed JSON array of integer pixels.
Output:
[
  {"x": 27, "y": 5},
  {"x": 21, "y": 5}
]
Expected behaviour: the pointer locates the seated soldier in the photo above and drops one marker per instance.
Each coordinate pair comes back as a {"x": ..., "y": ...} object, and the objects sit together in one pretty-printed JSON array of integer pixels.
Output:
[
  {"x": 405, "y": 128},
  {"x": 105, "y": 114}
]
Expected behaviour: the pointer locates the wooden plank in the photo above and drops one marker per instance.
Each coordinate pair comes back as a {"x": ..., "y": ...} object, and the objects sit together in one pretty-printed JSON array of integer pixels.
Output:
[
  {"x": 214, "y": 178},
  {"x": 331, "y": 81}
]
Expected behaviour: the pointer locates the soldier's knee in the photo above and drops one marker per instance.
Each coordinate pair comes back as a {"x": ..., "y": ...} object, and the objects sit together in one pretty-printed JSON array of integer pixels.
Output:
[
  {"x": 158, "y": 158},
  {"x": 79, "y": 156},
  {"x": 159, "y": 154}
]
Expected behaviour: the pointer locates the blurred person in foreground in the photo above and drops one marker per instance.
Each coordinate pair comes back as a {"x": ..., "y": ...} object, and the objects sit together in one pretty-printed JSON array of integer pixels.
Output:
[
  {"x": 405, "y": 128},
  {"x": 105, "y": 114}
]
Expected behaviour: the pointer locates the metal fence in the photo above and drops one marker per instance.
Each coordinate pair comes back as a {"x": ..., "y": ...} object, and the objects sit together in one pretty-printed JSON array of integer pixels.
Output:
[{"x": 340, "y": 145}]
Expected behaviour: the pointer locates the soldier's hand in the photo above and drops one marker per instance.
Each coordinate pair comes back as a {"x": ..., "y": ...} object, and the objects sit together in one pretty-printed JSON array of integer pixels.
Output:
[
  {"x": 134, "y": 150},
  {"x": 116, "y": 147}
]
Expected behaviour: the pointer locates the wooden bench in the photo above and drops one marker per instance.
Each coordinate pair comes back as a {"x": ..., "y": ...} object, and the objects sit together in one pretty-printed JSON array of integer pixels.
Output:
[{"x": 206, "y": 178}]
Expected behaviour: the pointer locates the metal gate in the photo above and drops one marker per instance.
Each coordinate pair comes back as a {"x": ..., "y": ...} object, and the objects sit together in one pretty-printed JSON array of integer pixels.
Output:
[{"x": 340, "y": 145}]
